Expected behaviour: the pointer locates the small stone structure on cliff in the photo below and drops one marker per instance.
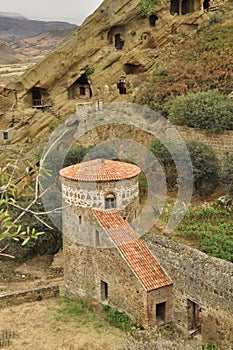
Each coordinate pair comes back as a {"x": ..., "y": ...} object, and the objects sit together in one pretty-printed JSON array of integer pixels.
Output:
[{"x": 105, "y": 259}]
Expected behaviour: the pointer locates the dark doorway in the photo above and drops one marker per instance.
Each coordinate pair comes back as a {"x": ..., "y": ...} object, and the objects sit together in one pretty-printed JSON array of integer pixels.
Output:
[
  {"x": 97, "y": 239},
  {"x": 36, "y": 97},
  {"x": 131, "y": 68},
  {"x": 175, "y": 7},
  {"x": 161, "y": 313},
  {"x": 206, "y": 4},
  {"x": 152, "y": 20},
  {"x": 119, "y": 42},
  {"x": 104, "y": 291},
  {"x": 194, "y": 313},
  {"x": 121, "y": 85}
]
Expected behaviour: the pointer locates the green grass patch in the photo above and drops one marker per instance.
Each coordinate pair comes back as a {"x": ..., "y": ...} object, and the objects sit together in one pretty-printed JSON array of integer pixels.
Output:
[
  {"x": 213, "y": 227},
  {"x": 72, "y": 308},
  {"x": 119, "y": 319}
]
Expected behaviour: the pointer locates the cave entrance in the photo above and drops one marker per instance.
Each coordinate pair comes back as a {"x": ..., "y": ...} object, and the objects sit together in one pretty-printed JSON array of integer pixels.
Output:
[
  {"x": 130, "y": 68},
  {"x": 206, "y": 4},
  {"x": 152, "y": 20},
  {"x": 40, "y": 97},
  {"x": 182, "y": 7},
  {"x": 121, "y": 85},
  {"x": 119, "y": 42}
]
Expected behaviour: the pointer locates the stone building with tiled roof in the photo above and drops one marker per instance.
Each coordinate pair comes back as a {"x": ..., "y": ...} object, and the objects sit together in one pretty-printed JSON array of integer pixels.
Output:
[{"x": 105, "y": 258}]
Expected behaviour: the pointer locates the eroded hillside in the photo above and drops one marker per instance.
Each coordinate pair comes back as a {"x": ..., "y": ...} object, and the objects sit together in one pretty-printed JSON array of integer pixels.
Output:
[{"x": 110, "y": 57}]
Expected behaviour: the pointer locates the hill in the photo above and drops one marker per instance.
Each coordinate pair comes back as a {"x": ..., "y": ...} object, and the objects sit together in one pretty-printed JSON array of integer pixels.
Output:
[
  {"x": 14, "y": 27},
  {"x": 7, "y": 54}
]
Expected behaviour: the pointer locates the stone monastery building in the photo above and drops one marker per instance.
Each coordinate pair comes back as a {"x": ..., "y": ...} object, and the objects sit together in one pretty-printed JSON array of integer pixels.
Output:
[{"x": 105, "y": 259}]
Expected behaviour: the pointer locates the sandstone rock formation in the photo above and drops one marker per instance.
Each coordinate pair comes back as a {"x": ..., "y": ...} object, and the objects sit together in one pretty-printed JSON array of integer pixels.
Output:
[{"x": 107, "y": 58}]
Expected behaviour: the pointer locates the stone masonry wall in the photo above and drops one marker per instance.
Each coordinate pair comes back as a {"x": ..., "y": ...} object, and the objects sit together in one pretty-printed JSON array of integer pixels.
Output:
[
  {"x": 206, "y": 281},
  {"x": 20, "y": 297},
  {"x": 92, "y": 194},
  {"x": 219, "y": 142},
  {"x": 86, "y": 267}
]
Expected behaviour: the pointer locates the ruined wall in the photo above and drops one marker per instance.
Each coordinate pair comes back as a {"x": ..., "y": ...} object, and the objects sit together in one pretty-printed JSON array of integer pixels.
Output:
[
  {"x": 20, "y": 297},
  {"x": 206, "y": 281}
]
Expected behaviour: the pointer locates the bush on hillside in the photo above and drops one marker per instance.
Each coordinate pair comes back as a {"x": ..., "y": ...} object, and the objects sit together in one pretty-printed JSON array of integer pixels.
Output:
[
  {"x": 165, "y": 159},
  {"x": 203, "y": 110},
  {"x": 205, "y": 167},
  {"x": 227, "y": 175},
  {"x": 204, "y": 162}
]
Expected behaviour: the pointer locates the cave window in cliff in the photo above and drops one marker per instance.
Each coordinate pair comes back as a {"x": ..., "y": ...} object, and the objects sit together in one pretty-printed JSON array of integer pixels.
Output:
[
  {"x": 80, "y": 88},
  {"x": 40, "y": 97},
  {"x": 36, "y": 97},
  {"x": 206, "y": 4},
  {"x": 182, "y": 7},
  {"x": 130, "y": 68},
  {"x": 175, "y": 5},
  {"x": 187, "y": 7},
  {"x": 152, "y": 20},
  {"x": 119, "y": 42},
  {"x": 121, "y": 85}
]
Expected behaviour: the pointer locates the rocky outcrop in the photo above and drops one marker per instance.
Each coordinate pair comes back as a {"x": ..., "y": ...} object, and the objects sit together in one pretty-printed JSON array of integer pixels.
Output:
[{"x": 107, "y": 58}]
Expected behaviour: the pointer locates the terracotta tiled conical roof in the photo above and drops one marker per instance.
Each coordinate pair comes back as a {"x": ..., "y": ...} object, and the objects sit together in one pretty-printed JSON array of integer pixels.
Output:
[{"x": 100, "y": 170}]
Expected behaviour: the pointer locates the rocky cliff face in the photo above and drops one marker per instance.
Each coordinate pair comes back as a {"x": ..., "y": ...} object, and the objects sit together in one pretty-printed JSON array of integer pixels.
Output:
[{"x": 107, "y": 58}]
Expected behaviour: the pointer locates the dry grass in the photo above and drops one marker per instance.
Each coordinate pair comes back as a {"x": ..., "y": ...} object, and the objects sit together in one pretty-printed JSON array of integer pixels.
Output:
[{"x": 53, "y": 325}]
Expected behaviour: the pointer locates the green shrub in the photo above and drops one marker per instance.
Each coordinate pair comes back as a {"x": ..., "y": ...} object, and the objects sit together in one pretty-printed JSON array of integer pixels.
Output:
[
  {"x": 147, "y": 7},
  {"x": 210, "y": 347},
  {"x": 203, "y": 110},
  {"x": 227, "y": 175},
  {"x": 204, "y": 162},
  {"x": 119, "y": 319},
  {"x": 205, "y": 167}
]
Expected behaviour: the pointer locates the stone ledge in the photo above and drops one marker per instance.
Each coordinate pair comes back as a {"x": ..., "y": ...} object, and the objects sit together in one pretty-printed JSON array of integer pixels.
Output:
[{"x": 34, "y": 294}]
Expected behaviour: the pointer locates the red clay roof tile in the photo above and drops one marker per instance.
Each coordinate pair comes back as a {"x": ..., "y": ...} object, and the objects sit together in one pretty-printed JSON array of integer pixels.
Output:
[
  {"x": 100, "y": 170},
  {"x": 133, "y": 249}
]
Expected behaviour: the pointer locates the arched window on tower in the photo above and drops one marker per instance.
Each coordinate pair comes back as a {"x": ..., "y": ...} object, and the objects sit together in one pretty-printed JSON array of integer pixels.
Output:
[{"x": 110, "y": 201}]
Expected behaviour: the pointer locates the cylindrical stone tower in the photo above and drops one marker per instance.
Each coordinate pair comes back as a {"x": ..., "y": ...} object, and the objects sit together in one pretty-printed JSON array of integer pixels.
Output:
[{"x": 97, "y": 184}]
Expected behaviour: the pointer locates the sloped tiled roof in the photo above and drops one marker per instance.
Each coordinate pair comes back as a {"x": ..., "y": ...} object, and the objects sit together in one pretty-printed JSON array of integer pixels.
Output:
[
  {"x": 100, "y": 170},
  {"x": 133, "y": 249}
]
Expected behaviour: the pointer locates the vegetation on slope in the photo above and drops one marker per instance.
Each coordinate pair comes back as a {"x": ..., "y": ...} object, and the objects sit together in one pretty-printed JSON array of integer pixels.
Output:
[{"x": 201, "y": 63}]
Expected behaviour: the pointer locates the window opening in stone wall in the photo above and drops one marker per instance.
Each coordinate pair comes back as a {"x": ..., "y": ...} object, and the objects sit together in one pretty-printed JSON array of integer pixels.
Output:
[
  {"x": 79, "y": 219},
  {"x": 119, "y": 42},
  {"x": 160, "y": 313},
  {"x": 104, "y": 291},
  {"x": 121, "y": 85},
  {"x": 97, "y": 238},
  {"x": 82, "y": 91},
  {"x": 110, "y": 201},
  {"x": 152, "y": 20},
  {"x": 194, "y": 316}
]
